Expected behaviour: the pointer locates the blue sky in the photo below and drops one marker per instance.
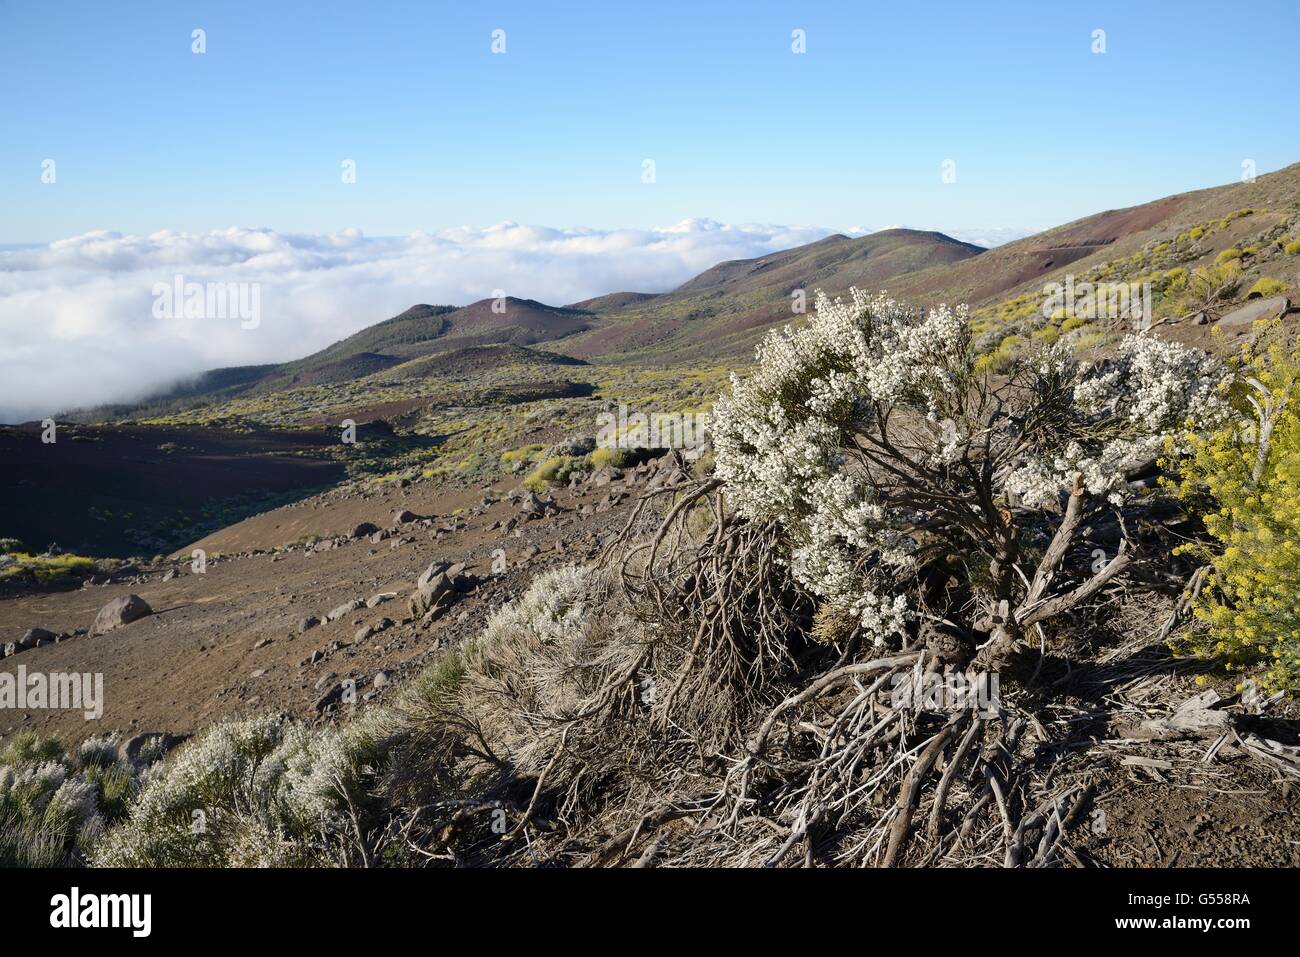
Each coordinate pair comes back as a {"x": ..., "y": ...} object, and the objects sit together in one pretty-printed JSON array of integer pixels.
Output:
[{"x": 147, "y": 135}]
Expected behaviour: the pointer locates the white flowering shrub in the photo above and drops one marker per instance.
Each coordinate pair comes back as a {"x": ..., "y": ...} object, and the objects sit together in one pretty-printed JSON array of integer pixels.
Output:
[
  {"x": 523, "y": 717},
  {"x": 42, "y": 814},
  {"x": 256, "y": 792},
  {"x": 98, "y": 751},
  {"x": 892, "y": 461},
  {"x": 538, "y": 657},
  {"x": 556, "y": 608},
  {"x": 54, "y": 807}
]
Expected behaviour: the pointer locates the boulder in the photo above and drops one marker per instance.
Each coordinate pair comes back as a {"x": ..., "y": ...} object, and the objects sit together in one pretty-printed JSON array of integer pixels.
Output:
[
  {"x": 436, "y": 592},
  {"x": 119, "y": 612},
  {"x": 331, "y": 697},
  {"x": 404, "y": 516},
  {"x": 308, "y": 623},
  {"x": 531, "y": 506},
  {"x": 1258, "y": 309},
  {"x": 439, "y": 587},
  {"x": 345, "y": 609},
  {"x": 35, "y": 636},
  {"x": 433, "y": 571},
  {"x": 364, "y": 529}
]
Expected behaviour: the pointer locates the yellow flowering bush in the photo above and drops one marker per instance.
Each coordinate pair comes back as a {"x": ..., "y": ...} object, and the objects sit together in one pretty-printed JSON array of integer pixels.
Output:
[{"x": 1251, "y": 473}]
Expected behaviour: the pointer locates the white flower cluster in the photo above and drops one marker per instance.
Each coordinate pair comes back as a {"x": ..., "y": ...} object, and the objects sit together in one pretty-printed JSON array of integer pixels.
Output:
[
  {"x": 782, "y": 433},
  {"x": 787, "y": 437},
  {"x": 313, "y": 771},
  {"x": 98, "y": 751},
  {"x": 1134, "y": 403},
  {"x": 1155, "y": 386},
  {"x": 557, "y": 609},
  {"x": 208, "y": 769},
  {"x": 49, "y": 799},
  {"x": 782, "y": 429},
  {"x": 31, "y": 785},
  {"x": 881, "y": 616}
]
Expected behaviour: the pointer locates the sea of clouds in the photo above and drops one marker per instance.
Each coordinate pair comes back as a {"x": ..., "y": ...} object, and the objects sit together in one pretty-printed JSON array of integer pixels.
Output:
[{"x": 78, "y": 325}]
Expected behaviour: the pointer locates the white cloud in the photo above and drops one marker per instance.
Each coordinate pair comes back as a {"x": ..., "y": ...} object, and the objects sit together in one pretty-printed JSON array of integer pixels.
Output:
[{"x": 77, "y": 325}]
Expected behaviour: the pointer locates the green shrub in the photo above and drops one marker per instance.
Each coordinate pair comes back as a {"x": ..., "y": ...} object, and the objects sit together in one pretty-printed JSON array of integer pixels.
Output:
[
  {"x": 1088, "y": 338},
  {"x": 433, "y": 690},
  {"x": 1235, "y": 214},
  {"x": 48, "y": 568},
  {"x": 518, "y": 456},
  {"x": 1210, "y": 284},
  {"x": 1006, "y": 352},
  {"x": 1292, "y": 248},
  {"x": 27, "y": 746},
  {"x": 1266, "y": 287},
  {"x": 604, "y": 457},
  {"x": 1228, "y": 255},
  {"x": 554, "y": 471}
]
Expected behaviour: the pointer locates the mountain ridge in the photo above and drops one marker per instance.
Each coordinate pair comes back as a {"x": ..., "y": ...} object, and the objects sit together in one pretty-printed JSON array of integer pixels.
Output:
[{"x": 722, "y": 311}]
